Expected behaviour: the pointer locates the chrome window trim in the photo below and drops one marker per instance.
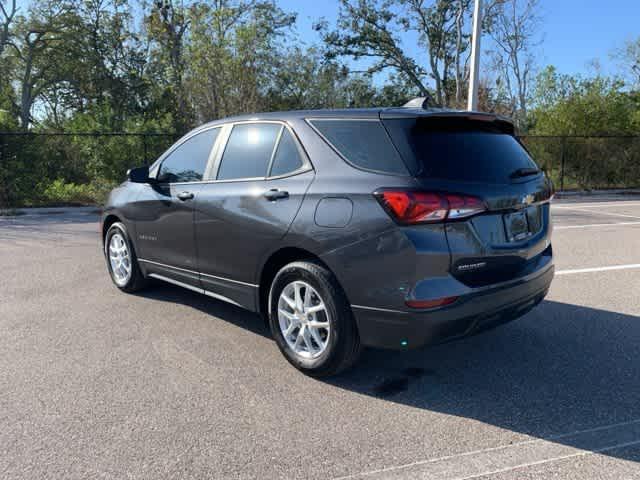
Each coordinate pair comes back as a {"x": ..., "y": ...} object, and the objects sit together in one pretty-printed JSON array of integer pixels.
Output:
[
  {"x": 224, "y": 138},
  {"x": 219, "y": 146},
  {"x": 254, "y": 179},
  {"x": 310, "y": 121},
  {"x": 197, "y": 273}
]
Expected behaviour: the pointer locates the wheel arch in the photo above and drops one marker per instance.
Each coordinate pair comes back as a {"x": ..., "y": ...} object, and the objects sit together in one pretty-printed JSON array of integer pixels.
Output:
[
  {"x": 274, "y": 263},
  {"x": 109, "y": 220}
]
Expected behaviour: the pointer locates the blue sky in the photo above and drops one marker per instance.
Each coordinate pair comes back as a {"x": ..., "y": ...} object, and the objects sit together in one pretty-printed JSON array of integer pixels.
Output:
[{"x": 575, "y": 32}]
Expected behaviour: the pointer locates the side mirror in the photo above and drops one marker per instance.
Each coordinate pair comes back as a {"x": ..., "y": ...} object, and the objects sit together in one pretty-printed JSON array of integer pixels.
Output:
[{"x": 139, "y": 174}]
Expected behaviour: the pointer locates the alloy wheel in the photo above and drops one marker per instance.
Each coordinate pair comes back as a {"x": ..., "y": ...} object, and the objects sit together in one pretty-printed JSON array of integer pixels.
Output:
[
  {"x": 304, "y": 319},
  {"x": 119, "y": 259}
]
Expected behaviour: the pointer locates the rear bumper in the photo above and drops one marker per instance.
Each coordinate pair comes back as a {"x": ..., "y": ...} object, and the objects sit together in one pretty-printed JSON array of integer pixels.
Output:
[{"x": 479, "y": 310}]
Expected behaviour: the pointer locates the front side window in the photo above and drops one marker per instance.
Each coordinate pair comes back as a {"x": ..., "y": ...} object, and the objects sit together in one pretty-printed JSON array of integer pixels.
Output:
[
  {"x": 188, "y": 161},
  {"x": 248, "y": 151}
]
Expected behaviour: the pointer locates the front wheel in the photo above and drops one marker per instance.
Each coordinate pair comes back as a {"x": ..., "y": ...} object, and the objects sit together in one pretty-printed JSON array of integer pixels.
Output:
[
  {"x": 121, "y": 259},
  {"x": 311, "y": 320}
]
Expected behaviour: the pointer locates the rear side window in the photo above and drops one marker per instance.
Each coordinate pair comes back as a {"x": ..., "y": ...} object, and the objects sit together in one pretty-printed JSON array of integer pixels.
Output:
[
  {"x": 454, "y": 150},
  {"x": 287, "y": 158},
  {"x": 248, "y": 151},
  {"x": 364, "y": 143},
  {"x": 189, "y": 160}
]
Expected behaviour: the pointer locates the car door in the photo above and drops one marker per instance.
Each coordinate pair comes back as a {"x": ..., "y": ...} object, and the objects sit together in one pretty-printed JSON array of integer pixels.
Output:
[
  {"x": 165, "y": 210},
  {"x": 261, "y": 177}
]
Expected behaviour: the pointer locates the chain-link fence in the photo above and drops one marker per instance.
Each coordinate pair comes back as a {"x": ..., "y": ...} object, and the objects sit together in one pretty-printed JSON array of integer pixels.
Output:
[
  {"x": 46, "y": 168},
  {"x": 588, "y": 163}
]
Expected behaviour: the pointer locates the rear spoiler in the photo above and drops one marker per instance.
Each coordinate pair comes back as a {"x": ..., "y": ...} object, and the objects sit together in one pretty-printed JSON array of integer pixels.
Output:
[{"x": 503, "y": 124}]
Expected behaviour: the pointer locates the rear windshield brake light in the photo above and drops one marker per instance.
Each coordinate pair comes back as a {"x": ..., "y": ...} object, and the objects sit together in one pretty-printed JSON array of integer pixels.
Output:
[{"x": 410, "y": 207}]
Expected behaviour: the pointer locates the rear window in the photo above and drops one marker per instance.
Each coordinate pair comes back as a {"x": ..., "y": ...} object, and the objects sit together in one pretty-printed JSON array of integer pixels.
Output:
[
  {"x": 364, "y": 143},
  {"x": 455, "y": 150}
]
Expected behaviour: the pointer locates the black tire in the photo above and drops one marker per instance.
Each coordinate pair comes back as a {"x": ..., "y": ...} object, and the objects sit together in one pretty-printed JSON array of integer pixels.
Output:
[
  {"x": 136, "y": 280},
  {"x": 343, "y": 347}
]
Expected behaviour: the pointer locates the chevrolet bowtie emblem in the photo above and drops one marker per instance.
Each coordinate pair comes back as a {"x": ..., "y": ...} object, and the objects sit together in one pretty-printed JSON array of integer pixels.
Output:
[{"x": 527, "y": 199}]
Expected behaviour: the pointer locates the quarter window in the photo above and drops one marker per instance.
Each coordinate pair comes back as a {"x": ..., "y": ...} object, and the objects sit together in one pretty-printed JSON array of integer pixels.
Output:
[
  {"x": 364, "y": 143},
  {"x": 188, "y": 161},
  {"x": 287, "y": 158},
  {"x": 248, "y": 151}
]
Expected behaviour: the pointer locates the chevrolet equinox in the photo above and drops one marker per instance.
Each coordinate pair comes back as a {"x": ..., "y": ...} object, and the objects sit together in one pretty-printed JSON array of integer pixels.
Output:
[{"x": 384, "y": 227}]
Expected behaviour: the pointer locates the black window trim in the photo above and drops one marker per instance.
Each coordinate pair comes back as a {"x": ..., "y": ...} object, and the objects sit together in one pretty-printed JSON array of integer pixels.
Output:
[
  {"x": 157, "y": 165},
  {"x": 310, "y": 120},
  {"x": 226, "y": 134}
]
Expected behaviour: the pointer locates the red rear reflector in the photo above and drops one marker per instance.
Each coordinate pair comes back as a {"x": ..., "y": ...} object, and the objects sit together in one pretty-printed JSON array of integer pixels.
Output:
[
  {"x": 440, "y": 302},
  {"x": 410, "y": 207}
]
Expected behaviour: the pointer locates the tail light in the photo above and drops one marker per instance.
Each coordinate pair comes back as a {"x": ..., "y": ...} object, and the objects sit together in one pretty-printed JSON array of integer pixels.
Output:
[{"x": 409, "y": 207}]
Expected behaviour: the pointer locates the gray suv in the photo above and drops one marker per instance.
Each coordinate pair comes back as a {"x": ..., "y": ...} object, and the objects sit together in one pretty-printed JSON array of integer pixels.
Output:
[{"x": 385, "y": 227}]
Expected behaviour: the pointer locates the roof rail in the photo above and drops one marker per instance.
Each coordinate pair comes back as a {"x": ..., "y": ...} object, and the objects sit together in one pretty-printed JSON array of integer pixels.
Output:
[{"x": 418, "y": 102}]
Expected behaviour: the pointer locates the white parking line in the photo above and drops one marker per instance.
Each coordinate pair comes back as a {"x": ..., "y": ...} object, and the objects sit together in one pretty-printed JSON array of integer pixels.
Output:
[
  {"x": 598, "y": 205},
  {"x": 520, "y": 455},
  {"x": 580, "y": 209},
  {"x": 571, "y": 227},
  {"x": 599, "y": 269}
]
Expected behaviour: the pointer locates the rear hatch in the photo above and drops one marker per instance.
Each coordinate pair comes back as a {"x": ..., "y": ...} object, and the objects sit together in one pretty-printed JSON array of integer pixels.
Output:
[{"x": 465, "y": 157}]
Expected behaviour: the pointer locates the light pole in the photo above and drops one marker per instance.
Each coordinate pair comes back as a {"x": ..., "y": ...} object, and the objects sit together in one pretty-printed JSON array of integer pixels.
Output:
[{"x": 474, "y": 74}]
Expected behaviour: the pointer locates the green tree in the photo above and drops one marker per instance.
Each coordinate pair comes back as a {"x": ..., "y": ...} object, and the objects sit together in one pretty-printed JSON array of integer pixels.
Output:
[
  {"x": 37, "y": 46},
  {"x": 8, "y": 11},
  {"x": 369, "y": 29},
  {"x": 628, "y": 58},
  {"x": 573, "y": 105},
  {"x": 232, "y": 56},
  {"x": 167, "y": 25}
]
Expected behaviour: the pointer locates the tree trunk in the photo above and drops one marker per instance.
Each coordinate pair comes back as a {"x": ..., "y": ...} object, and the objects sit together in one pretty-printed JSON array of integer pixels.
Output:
[
  {"x": 26, "y": 97},
  {"x": 4, "y": 31}
]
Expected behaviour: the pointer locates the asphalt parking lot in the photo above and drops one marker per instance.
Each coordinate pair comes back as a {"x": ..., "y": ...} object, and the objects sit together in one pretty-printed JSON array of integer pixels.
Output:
[{"x": 169, "y": 384}]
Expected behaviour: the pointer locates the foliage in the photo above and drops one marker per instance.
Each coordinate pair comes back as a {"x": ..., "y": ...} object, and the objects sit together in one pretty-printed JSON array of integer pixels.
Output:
[
  {"x": 628, "y": 58},
  {"x": 83, "y": 67},
  {"x": 573, "y": 105},
  {"x": 602, "y": 122},
  {"x": 59, "y": 193}
]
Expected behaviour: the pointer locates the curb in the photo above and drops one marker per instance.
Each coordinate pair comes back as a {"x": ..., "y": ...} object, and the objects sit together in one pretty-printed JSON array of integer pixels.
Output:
[
  {"x": 596, "y": 193},
  {"x": 11, "y": 212}
]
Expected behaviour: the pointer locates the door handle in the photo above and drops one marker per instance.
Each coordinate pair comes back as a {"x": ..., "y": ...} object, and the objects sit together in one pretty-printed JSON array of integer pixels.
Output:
[
  {"x": 275, "y": 194},
  {"x": 185, "y": 196}
]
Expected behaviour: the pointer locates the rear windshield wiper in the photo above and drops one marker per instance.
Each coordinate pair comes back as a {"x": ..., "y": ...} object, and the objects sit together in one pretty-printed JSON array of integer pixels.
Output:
[{"x": 524, "y": 172}]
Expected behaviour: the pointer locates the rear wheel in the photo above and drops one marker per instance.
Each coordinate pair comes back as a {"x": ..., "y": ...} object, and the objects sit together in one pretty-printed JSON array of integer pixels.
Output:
[
  {"x": 121, "y": 260},
  {"x": 311, "y": 320}
]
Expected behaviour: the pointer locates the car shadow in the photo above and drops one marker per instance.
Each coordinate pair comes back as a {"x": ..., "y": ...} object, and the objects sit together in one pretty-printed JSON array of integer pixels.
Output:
[
  {"x": 229, "y": 313},
  {"x": 561, "y": 368}
]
